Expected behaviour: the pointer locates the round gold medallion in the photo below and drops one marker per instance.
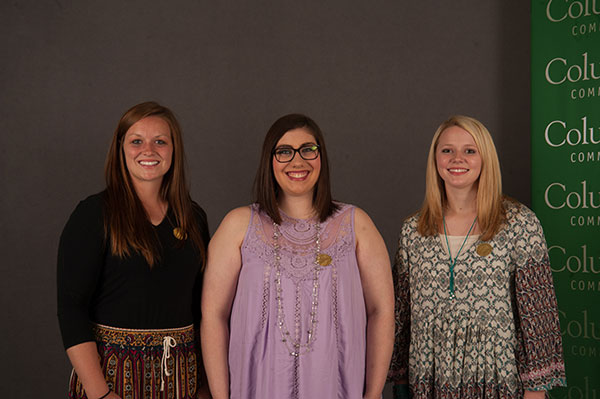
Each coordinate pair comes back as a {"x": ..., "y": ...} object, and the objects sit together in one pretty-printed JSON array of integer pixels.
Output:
[
  {"x": 324, "y": 259},
  {"x": 484, "y": 249},
  {"x": 179, "y": 234}
]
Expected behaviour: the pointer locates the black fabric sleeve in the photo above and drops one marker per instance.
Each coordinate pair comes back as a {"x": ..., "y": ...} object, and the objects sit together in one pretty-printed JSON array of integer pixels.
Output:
[
  {"x": 79, "y": 266},
  {"x": 197, "y": 293}
]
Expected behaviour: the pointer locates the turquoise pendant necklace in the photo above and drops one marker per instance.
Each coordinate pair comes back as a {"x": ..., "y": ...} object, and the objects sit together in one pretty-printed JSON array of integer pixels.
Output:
[{"x": 453, "y": 260}]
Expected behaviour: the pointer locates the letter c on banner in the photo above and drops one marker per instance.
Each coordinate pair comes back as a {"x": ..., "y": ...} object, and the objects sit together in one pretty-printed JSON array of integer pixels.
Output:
[
  {"x": 550, "y": 16},
  {"x": 547, "y": 133},
  {"x": 547, "y": 199},
  {"x": 548, "y": 71}
]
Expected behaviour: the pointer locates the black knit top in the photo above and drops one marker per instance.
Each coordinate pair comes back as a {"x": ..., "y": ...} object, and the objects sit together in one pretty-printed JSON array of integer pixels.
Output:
[{"x": 94, "y": 286}]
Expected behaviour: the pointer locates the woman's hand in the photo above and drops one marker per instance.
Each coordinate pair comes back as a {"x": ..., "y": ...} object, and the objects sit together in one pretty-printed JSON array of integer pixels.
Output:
[
  {"x": 86, "y": 362},
  {"x": 534, "y": 395}
]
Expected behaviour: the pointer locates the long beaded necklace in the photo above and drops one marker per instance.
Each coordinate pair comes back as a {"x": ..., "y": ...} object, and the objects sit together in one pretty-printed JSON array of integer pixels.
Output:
[
  {"x": 293, "y": 344},
  {"x": 453, "y": 260}
]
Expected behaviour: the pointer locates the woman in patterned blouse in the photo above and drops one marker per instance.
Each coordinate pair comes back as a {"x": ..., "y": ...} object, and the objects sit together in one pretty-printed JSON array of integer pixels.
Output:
[{"x": 476, "y": 312}]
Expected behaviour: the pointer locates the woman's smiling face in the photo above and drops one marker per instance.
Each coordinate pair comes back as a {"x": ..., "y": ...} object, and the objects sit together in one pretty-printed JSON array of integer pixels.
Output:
[
  {"x": 299, "y": 176},
  {"x": 457, "y": 158},
  {"x": 148, "y": 150}
]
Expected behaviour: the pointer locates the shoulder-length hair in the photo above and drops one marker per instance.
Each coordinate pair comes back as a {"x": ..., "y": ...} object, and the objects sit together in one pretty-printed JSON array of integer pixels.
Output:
[
  {"x": 126, "y": 223},
  {"x": 266, "y": 189},
  {"x": 490, "y": 210}
]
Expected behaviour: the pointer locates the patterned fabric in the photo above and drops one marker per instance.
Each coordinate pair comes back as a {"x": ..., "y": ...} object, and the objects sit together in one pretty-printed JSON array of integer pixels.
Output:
[
  {"x": 498, "y": 336},
  {"x": 331, "y": 359},
  {"x": 132, "y": 363}
]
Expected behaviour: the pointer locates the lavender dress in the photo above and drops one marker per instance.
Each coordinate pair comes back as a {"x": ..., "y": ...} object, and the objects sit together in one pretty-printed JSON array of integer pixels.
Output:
[{"x": 264, "y": 361}]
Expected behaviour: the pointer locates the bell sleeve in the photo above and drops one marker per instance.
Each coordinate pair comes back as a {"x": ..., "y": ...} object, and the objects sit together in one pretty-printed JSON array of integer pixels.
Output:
[
  {"x": 400, "y": 272},
  {"x": 539, "y": 348}
]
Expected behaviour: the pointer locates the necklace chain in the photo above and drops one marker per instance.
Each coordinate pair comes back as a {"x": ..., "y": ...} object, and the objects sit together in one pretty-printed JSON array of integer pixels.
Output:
[
  {"x": 293, "y": 344},
  {"x": 453, "y": 260}
]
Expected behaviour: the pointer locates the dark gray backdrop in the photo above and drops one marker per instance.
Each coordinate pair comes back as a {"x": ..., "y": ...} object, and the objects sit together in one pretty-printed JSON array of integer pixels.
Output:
[{"x": 378, "y": 76}]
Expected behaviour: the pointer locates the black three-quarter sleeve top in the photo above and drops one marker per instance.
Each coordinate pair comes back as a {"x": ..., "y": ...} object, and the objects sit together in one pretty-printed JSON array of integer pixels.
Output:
[{"x": 95, "y": 286}]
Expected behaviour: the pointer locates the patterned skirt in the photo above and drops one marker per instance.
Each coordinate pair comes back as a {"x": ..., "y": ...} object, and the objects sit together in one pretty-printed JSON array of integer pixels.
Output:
[{"x": 145, "y": 364}]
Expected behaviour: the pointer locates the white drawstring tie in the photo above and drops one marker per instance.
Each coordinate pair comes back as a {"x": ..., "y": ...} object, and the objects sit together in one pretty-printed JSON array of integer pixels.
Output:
[{"x": 168, "y": 343}]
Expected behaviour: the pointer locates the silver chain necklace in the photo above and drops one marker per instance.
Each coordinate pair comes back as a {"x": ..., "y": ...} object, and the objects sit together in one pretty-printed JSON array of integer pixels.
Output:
[{"x": 293, "y": 344}]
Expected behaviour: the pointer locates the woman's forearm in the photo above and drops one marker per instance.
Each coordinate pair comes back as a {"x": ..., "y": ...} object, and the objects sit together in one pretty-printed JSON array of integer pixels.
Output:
[
  {"x": 86, "y": 362},
  {"x": 215, "y": 344},
  {"x": 380, "y": 343}
]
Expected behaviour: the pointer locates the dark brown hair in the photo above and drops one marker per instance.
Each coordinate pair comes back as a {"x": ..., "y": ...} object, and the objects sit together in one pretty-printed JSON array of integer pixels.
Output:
[
  {"x": 126, "y": 223},
  {"x": 266, "y": 188}
]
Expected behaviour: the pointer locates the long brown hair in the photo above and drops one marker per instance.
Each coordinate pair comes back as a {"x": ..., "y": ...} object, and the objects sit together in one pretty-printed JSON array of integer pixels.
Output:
[
  {"x": 490, "y": 210},
  {"x": 126, "y": 223},
  {"x": 266, "y": 188}
]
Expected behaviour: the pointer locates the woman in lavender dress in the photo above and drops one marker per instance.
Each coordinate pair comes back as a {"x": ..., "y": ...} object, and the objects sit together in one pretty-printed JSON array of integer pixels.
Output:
[{"x": 298, "y": 296}]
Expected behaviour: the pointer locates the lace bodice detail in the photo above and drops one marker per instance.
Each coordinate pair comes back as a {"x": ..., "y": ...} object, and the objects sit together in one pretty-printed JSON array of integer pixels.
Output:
[{"x": 297, "y": 240}]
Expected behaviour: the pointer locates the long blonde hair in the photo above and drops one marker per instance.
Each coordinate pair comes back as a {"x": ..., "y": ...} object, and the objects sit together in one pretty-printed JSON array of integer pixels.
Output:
[{"x": 490, "y": 210}]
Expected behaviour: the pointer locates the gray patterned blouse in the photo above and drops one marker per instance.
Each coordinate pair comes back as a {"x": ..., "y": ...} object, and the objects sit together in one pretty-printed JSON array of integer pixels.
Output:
[{"x": 498, "y": 335}]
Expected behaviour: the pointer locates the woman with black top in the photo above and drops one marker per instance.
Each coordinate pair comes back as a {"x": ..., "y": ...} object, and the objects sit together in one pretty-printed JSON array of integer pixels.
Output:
[{"x": 129, "y": 270}]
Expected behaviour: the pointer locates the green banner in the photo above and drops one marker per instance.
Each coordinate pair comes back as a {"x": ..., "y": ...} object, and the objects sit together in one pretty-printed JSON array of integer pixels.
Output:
[{"x": 565, "y": 176}]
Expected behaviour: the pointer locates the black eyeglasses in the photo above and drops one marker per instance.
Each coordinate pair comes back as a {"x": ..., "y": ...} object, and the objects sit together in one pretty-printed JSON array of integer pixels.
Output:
[{"x": 286, "y": 153}]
